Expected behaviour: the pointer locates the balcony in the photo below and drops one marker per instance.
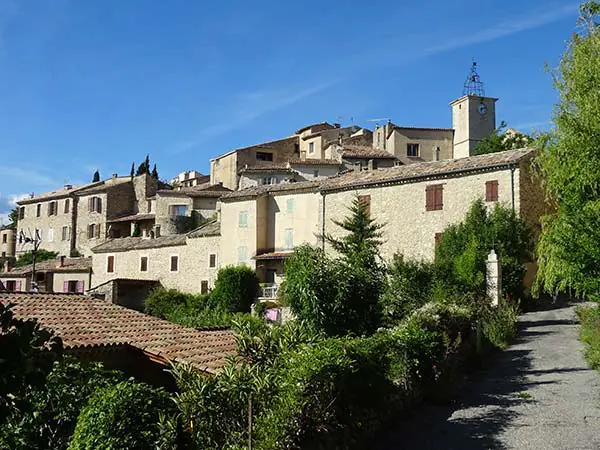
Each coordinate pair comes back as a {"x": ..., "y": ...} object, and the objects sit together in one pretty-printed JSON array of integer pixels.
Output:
[{"x": 269, "y": 292}]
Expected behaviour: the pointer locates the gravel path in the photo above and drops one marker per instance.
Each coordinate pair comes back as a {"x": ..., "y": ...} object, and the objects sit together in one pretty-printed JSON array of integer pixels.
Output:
[{"x": 539, "y": 394}]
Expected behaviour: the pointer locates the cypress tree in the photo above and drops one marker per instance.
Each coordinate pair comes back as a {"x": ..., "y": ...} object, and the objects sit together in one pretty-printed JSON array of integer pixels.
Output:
[{"x": 96, "y": 176}]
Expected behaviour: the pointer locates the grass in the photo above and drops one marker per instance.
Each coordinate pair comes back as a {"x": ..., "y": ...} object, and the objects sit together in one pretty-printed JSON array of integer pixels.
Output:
[
  {"x": 589, "y": 333},
  {"x": 525, "y": 395}
]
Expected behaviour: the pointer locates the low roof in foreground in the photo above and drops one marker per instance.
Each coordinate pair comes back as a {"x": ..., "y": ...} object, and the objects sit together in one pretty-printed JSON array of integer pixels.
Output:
[
  {"x": 81, "y": 264},
  {"x": 85, "y": 322}
]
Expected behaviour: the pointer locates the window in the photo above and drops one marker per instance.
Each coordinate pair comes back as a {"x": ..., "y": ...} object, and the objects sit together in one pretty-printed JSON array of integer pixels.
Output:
[
  {"x": 174, "y": 263},
  {"x": 38, "y": 210},
  {"x": 21, "y": 212},
  {"x": 434, "y": 197},
  {"x": 288, "y": 239},
  {"x": 242, "y": 255},
  {"x": 67, "y": 206},
  {"x": 243, "y": 219},
  {"x": 144, "y": 264},
  {"x": 95, "y": 204},
  {"x": 73, "y": 287},
  {"x": 412, "y": 149},
  {"x": 3, "y": 255},
  {"x": 4, "y": 238},
  {"x": 52, "y": 208},
  {"x": 149, "y": 206},
  {"x": 290, "y": 205},
  {"x": 212, "y": 260},
  {"x": 13, "y": 286},
  {"x": 204, "y": 287},
  {"x": 51, "y": 235},
  {"x": 178, "y": 210},
  {"x": 65, "y": 233},
  {"x": 110, "y": 264},
  {"x": 93, "y": 231},
  {"x": 264, "y": 156},
  {"x": 491, "y": 191},
  {"x": 311, "y": 147},
  {"x": 365, "y": 200},
  {"x": 316, "y": 173}
]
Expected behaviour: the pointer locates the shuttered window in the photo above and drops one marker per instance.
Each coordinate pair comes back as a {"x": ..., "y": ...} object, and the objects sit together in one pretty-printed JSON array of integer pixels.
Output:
[
  {"x": 434, "y": 197},
  {"x": 65, "y": 233},
  {"x": 212, "y": 260},
  {"x": 491, "y": 191},
  {"x": 67, "y": 207},
  {"x": 95, "y": 204},
  {"x": 365, "y": 200},
  {"x": 174, "y": 263},
  {"x": 110, "y": 264},
  {"x": 204, "y": 287},
  {"x": 144, "y": 264}
]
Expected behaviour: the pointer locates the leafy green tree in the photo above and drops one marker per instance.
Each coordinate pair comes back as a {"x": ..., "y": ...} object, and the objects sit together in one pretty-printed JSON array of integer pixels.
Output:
[
  {"x": 568, "y": 250},
  {"x": 41, "y": 255},
  {"x": 500, "y": 141},
  {"x": 96, "y": 176},
  {"x": 235, "y": 289},
  {"x": 122, "y": 416},
  {"x": 461, "y": 254},
  {"x": 27, "y": 353}
]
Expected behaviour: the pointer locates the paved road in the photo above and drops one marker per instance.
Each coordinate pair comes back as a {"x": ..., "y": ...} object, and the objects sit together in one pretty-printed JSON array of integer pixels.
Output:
[{"x": 539, "y": 394}]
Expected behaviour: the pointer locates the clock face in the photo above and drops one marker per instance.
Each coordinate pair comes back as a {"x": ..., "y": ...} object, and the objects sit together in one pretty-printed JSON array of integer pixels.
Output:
[{"x": 482, "y": 108}]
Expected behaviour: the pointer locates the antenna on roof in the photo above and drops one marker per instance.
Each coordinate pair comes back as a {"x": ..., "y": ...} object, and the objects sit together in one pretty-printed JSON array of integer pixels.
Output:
[{"x": 381, "y": 119}]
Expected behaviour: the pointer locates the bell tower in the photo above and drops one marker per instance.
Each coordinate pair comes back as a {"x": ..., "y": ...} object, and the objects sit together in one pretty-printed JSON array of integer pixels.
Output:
[{"x": 473, "y": 116}]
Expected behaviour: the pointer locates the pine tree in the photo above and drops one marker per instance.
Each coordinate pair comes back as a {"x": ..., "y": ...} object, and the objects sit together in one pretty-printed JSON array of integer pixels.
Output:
[
  {"x": 96, "y": 176},
  {"x": 361, "y": 243},
  {"x": 155, "y": 173},
  {"x": 132, "y": 169}
]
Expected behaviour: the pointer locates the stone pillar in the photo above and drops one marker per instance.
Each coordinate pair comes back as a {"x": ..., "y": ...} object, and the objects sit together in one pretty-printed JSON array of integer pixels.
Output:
[{"x": 493, "y": 278}]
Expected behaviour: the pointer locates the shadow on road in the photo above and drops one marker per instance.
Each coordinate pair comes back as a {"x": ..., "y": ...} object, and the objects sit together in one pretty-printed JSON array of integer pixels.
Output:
[{"x": 482, "y": 410}]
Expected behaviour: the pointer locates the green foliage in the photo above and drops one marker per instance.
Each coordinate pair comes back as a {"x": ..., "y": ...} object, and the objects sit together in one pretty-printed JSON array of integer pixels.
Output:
[
  {"x": 589, "y": 333},
  {"x": 154, "y": 173},
  {"x": 13, "y": 218},
  {"x": 75, "y": 253},
  {"x": 96, "y": 177},
  {"x": 162, "y": 301},
  {"x": 499, "y": 141},
  {"x": 27, "y": 353},
  {"x": 41, "y": 255},
  {"x": 409, "y": 287},
  {"x": 55, "y": 406},
  {"x": 498, "y": 324},
  {"x": 463, "y": 249},
  {"x": 122, "y": 416},
  {"x": 235, "y": 289},
  {"x": 137, "y": 232},
  {"x": 331, "y": 295},
  {"x": 568, "y": 253}
]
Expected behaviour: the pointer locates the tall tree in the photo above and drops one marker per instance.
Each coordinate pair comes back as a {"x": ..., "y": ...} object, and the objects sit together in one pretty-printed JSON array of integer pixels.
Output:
[
  {"x": 96, "y": 176},
  {"x": 144, "y": 167},
  {"x": 568, "y": 250},
  {"x": 13, "y": 217},
  {"x": 132, "y": 173},
  {"x": 155, "y": 173}
]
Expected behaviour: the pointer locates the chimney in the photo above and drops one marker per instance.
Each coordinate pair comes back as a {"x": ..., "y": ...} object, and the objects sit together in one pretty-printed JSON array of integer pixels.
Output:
[
  {"x": 68, "y": 187},
  {"x": 337, "y": 125},
  {"x": 7, "y": 266},
  {"x": 370, "y": 164},
  {"x": 156, "y": 231},
  {"x": 356, "y": 168},
  {"x": 340, "y": 139},
  {"x": 114, "y": 176},
  {"x": 436, "y": 153},
  {"x": 61, "y": 261}
]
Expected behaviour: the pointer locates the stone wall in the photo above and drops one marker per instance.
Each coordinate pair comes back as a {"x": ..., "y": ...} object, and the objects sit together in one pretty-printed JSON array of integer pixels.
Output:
[
  {"x": 234, "y": 237},
  {"x": 428, "y": 140},
  {"x": 8, "y": 238}
]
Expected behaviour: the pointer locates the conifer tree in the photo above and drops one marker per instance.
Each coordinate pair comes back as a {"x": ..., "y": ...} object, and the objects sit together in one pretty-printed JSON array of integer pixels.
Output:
[
  {"x": 155, "y": 173},
  {"x": 96, "y": 176},
  {"x": 132, "y": 169}
]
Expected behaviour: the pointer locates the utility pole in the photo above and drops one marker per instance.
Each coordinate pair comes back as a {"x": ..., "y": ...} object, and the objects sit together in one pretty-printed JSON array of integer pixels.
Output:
[{"x": 36, "y": 240}]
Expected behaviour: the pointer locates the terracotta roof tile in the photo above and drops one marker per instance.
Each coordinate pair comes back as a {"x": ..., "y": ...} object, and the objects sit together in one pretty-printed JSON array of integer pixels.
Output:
[
  {"x": 314, "y": 162},
  {"x": 202, "y": 190},
  {"x": 138, "y": 243},
  {"x": 255, "y": 191},
  {"x": 363, "y": 151},
  {"x": 87, "y": 322},
  {"x": 273, "y": 255},
  {"x": 209, "y": 229},
  {"x": 53, "y": 265},
  {"x": 423, "y": 169},
  {"x": 133, "y": 218}
]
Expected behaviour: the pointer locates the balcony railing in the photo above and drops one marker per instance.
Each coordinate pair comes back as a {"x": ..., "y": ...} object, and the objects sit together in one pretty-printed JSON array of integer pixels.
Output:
[{"x": 269, "y": 292}]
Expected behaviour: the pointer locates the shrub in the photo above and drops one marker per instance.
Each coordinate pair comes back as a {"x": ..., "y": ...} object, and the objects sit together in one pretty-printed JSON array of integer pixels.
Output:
[
  {"x": 589, "y": 333},
  {"x": 125, "y": 415},
  {"x": 51, "y": 419},
  {"x": 498, "y": 323},
  {"x": 331, "y": 295},
  {"x": 409, "y": 286},
  {"x": 163, "y": 301},
  {"x": 235, "y": 290},
  {"x": 41, "y": 255}
]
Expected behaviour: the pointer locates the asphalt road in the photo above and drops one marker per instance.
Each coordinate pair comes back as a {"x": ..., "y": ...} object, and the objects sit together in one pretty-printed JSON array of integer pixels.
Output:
[{"x": 539, "y": 394}]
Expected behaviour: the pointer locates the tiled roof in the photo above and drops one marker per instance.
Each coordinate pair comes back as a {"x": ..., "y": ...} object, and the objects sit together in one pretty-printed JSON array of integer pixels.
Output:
[
  {"x": 322, "y": 125},
  {"x": 363, "y": 151},
  {"x": 273, "y": 255},
  {"x": 314, "y": 162},
  {"x": 104, "y": 185},
  {"x": 58, "y": 193},
  {"x": 133, "y": 218},
  {"x": 255, "y": 191},
  {"x": 53, "y": 265},
  {"x": 138, "y": 243},
  {"x": 87, "y": 322},
  {"x": 420, "y": 170},
  {"x": 209, "y": 229},
  {"x": 268, "y": 167},
  {"x": 266, "y": 145},
  {"x": 202, "y": 190}
]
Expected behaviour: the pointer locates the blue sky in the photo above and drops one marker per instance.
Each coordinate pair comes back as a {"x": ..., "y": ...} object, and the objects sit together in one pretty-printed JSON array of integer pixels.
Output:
[{"x": 88, "y": 84}]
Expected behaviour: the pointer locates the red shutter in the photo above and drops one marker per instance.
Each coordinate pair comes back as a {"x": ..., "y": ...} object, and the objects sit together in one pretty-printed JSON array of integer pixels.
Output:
[
  {"x": 439, "y": 197},
  {"x": 80, "y": 287},
  {"x": 65, "y": 286},
  {"x": 438, "y": 238},
  {"x": 491, "y": 191},
  {"x": 428, "y": 198},
  {"x": 18, "y": 286},
  {"x": 110, "y": 264}
]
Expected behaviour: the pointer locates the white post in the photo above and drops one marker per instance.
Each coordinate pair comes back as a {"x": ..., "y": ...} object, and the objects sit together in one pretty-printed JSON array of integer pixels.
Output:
[{"x": 493, "y": 278}]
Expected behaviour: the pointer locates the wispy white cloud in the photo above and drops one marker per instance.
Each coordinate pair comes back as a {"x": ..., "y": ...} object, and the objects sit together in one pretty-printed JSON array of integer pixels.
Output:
[
  {"x": 27, "y": 176},
  {"x": 8, "y": 202},
  {"x": 527, "y": 21},
  {"x": 249, "y": 106}
]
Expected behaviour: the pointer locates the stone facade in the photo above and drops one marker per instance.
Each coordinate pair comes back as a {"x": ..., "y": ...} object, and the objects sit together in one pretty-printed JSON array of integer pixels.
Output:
[
  {"x": 8, "y": 238},
  {"x": 473, "y": 119}
]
